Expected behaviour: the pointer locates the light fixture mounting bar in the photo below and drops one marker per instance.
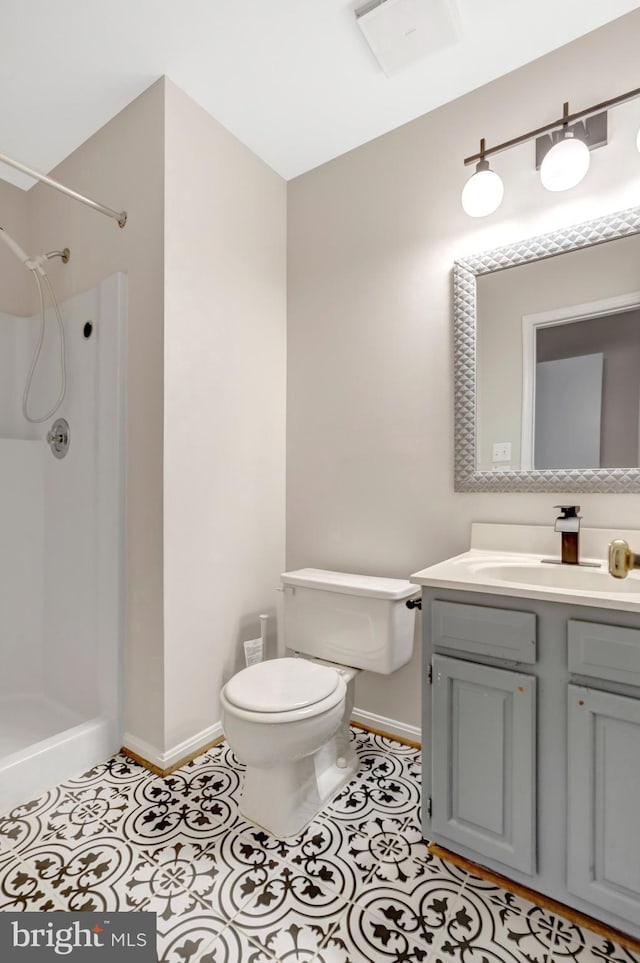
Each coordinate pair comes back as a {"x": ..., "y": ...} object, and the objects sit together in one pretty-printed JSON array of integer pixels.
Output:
[
  {"x": 547, "y": 128},
  {"x": 593, "y": 131}
]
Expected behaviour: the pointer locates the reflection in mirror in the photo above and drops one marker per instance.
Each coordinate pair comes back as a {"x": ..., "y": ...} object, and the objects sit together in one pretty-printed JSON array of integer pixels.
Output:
[
  {"x": 547, "y": 362},
  {"x": 586, "y": 393},
  {"x": 558, "y": 361}
]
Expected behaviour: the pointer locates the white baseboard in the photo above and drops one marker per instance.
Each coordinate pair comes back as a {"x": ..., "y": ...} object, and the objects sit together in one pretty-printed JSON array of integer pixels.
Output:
[
  {"x": 392, "y": 726},
  {"x": 164, "y": 760}
]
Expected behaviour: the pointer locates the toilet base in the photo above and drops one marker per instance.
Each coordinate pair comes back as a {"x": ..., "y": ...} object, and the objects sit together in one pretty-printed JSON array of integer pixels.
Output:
[{"x": 283, "y": 798}]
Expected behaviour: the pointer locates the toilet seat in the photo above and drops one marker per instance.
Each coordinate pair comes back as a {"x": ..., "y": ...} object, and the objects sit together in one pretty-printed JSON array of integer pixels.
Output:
[{"x": 283, "y": 690}]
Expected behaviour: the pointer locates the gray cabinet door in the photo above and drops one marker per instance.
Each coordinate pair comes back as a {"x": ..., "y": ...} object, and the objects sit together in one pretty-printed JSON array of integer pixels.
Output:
[
  {"x": 604, "y": 800},
  {"x": 483, "y": 760}
]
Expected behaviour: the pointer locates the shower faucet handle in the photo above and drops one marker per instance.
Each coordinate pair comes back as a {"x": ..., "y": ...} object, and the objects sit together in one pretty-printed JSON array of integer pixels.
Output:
[{"x": 59, "y": 437}]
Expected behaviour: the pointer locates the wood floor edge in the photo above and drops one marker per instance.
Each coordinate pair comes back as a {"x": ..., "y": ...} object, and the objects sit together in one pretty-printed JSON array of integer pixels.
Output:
[
  {"x": 386, "y": 735},
  {"x": 157, "y": 771},
  {"x": 546, "y": 902}
]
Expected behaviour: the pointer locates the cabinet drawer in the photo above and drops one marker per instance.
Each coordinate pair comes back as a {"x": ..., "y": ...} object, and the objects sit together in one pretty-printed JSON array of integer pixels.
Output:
[
  {"x": 604, "y": 651},
  {"x": 486, "y": 631}
]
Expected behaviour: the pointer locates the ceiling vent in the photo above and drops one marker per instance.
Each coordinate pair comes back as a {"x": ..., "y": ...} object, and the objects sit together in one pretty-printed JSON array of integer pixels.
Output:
[{"x": 400, "y": 32}]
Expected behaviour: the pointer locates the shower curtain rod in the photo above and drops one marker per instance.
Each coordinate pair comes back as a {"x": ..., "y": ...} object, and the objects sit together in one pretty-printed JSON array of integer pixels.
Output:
[{"x": 119, "y": 216}]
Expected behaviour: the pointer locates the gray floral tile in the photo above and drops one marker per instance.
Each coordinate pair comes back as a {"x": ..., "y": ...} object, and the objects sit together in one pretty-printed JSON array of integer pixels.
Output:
[
  {"x": 204, "y": 937},
  {"x": 90, "y": 812},
  {"x": 25, "y": 825},
  {"x": 89, "y": 875},
  {"x": 328, "y": 852},
  {"x": 197, "y": 802},
  {"x": 373, "y": 740},
  {"x": 383, "y": 784},
  {"x": 244, "y": 867},
  {"x": 395, "y": 852},
  {"x": 117, "y": 772},
  {"x": 361, "y": 938},
  {"x": 233, "y": 946},
  {"x": 187, "y": 940},
  {"x": 172, "y": 879},
  {"x": 21, "y": 889},
  {"x": 108, "y": 874},
  {"x": 491, "y": 924},
  {"x": 576, "y": 943},
  {"x": 288, "y": 896},
  {"x": 298, "y": 942},
  {"x": 223, "y": 755},
  {"x": 374, "y": 793},
  {"x": 420, "y": 912}
]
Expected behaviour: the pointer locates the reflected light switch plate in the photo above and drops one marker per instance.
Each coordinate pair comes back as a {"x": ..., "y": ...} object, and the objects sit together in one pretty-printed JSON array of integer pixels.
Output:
[{"x": 501, "y": 451}]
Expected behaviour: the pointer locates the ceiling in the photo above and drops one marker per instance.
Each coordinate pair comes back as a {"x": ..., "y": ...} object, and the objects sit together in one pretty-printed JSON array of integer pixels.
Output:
[{"x": 293, "y": 79}]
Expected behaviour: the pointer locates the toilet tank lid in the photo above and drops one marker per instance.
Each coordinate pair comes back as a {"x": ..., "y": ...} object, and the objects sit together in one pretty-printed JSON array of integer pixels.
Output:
[{"x": 348, "y": 584}]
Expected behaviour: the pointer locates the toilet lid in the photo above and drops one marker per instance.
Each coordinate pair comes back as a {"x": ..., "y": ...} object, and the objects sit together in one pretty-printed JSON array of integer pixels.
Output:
[{"x": 281, "y": 685}]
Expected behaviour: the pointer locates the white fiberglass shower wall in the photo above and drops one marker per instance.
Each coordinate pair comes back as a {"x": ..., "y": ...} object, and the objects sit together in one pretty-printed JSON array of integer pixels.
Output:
[{"x": 61, "y": 545}]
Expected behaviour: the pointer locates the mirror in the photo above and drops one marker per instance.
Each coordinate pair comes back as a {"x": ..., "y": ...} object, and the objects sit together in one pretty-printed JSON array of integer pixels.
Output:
[{"x": 547, "y": 362}]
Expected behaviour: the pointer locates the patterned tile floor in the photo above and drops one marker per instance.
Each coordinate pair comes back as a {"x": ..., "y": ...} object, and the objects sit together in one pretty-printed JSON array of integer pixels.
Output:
[{"x": 357, "y": 885}]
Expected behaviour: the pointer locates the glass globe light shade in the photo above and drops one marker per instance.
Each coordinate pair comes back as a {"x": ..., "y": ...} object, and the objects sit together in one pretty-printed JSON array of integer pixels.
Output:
[
  {"x": 565, "y": 164},
  {"x": 483, "y": 192}
]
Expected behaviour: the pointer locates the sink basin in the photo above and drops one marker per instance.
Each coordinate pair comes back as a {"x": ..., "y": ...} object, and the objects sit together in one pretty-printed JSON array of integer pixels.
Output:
[
  {"x": 570, "y": 577},
  {"x": 508, "y": 560}
]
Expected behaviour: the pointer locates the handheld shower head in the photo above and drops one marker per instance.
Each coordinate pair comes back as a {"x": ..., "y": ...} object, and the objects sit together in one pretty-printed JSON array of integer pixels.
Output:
[
  {"x": 36, "y": 266},
  {"x": 32, "y": 263}
]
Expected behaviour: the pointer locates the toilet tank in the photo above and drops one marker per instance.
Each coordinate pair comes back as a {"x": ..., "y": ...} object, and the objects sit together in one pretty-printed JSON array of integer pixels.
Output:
[{"x": 356, "y": 620}]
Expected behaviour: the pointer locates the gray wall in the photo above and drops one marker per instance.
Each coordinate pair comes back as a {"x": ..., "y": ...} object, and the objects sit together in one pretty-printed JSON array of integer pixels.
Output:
[{"x": 372, "y": 237}]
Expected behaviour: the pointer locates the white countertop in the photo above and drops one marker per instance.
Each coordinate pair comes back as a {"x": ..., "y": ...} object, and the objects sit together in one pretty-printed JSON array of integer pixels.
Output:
[{"x": 507, "y": 560}]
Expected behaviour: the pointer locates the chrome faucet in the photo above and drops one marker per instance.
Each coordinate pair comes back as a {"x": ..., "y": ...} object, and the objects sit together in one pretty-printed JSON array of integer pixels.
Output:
[{"x": 568, "y": 524}]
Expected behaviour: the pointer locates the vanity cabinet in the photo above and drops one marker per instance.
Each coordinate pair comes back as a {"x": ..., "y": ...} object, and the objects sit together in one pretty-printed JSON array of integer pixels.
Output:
[{"x": 531, "y": 745}]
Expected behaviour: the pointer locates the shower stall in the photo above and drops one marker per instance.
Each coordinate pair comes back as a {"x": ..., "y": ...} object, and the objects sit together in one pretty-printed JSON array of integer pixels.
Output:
[{"x": 61, "y": 545}]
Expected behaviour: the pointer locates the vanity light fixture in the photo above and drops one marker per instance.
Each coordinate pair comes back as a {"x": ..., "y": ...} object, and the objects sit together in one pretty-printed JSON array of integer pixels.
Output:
[
  {"x": 562, "y": 154},
  {"x": 482, "y": 194},
  {"x": 566, "y": 163}
]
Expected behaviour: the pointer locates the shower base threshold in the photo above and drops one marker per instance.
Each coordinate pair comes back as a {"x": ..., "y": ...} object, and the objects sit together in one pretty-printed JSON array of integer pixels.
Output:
[
  {"x": 27, "y": 719},
  {"x": 50, "y": 757}
]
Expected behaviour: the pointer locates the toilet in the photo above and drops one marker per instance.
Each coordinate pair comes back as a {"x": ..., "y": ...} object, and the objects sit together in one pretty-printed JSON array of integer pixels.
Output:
[{"x": 288, "y": 719}]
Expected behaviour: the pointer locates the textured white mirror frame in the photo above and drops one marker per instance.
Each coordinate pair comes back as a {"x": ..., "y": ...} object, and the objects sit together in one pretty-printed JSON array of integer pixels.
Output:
[{"x": 465, "y": 272}]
